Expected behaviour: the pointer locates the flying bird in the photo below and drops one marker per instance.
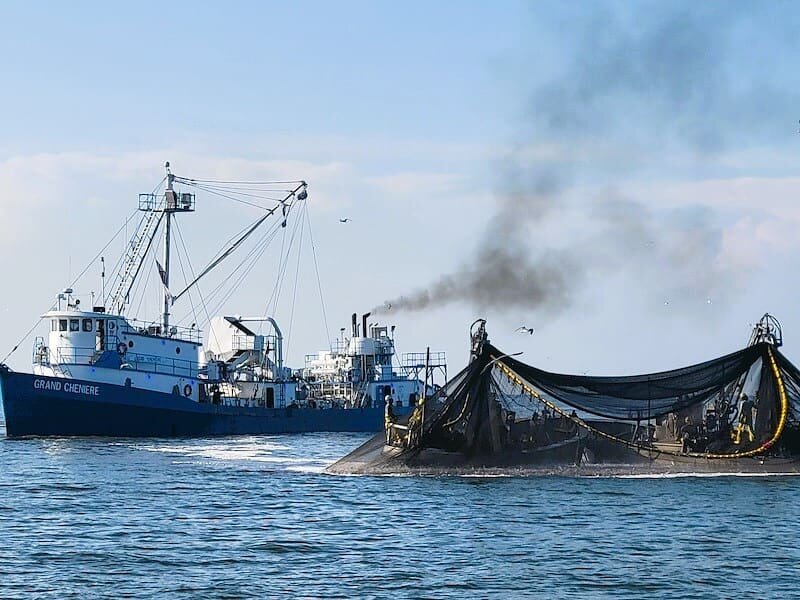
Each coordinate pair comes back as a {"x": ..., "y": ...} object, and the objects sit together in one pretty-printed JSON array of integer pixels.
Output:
[
  {"x": 345, "y": 220},
  {"x": 523, "y": 329}
]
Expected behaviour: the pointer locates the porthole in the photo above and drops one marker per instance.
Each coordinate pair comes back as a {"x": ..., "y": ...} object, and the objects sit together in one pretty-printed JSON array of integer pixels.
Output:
[
  {"x": 130, "y": 344},
  {"x": 178, "y": 350}
]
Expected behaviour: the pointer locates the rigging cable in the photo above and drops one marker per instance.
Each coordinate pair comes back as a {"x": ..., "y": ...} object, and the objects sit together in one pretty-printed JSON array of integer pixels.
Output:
[
  {"x": 319, "y": 282},
  {"x": 296, "y": 276},
  {"x": 199, "y": 291},
  {"x": 185, "y": 278},
  {"x": 253, "y": 257},
  {"x": 81, "y": 274},
  {"x": 282, "y": 264}
]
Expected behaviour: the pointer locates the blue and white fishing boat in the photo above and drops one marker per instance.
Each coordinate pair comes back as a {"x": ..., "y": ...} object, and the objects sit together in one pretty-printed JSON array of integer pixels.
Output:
[{"x": 99, "y": 372}]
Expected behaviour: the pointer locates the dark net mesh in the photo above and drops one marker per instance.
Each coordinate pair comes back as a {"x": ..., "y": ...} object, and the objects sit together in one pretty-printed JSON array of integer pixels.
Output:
[
  {"x": 642, "y": 396},
  {"x": 498, "y": 403}
]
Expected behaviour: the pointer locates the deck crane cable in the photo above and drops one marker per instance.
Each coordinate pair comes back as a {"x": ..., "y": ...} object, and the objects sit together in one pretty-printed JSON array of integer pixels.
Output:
[
  {"x": 287, "y": 259},
  {"x": 288, "y": 201},
  {"x": 143, "y": 286},
  {"x": 199, "y": 291},
  {"x": 268, "y": 309},
  {"x": 246, "y": 265},
  {"x": 231, "y": 249},
  {"x": 282, "y": 269},
  {"x": 242, "y": 192},
  {"x": 248, "y": 262},
  {"x": 319, "y": 282},
  {"x": 213, "y": 181},
  {"x": 234, "y": 198},
  {"x": 301, "y": 220},
  {"x": 222, "y": 285}
]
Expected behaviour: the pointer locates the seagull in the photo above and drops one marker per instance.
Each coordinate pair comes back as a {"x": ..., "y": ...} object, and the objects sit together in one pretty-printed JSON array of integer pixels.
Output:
[
  {"x": 666, "y": 302},
  {"x": 523, "y": 329},
  {"x": 345, "y": 220}
]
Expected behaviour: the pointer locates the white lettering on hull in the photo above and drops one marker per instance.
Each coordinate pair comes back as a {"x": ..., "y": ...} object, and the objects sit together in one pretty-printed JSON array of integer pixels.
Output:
[{"x": 69, "y": 387}]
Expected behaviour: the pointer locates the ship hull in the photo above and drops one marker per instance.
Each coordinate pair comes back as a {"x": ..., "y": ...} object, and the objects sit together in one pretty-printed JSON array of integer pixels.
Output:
[{"x": 46, "y": 406}]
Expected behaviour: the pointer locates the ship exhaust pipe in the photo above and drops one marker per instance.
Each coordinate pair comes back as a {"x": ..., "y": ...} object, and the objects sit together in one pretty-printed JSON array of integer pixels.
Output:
[
  {"x": 355, "y": 325},
  {"x": 364, "y": 318}
]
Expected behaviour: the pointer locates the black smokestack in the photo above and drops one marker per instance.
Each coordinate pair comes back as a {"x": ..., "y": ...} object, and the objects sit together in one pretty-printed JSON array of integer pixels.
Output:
[
  {"x": 364, "y": 318},
  {"x": 355, "y": 325}
]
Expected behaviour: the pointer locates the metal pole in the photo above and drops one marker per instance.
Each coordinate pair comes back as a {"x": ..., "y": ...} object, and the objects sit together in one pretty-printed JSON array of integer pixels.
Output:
[{"x": 170, "y": 194}]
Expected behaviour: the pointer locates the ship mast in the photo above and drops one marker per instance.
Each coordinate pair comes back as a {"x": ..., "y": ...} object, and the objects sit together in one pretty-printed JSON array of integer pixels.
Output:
[{"x": 171, "y": 203}]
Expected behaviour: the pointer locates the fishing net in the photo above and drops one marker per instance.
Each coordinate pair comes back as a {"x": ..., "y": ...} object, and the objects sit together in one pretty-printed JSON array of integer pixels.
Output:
[{"x": 744, "y": 403}]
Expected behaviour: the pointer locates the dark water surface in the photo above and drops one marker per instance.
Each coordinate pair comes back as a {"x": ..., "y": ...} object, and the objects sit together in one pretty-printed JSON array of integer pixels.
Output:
[{"x": 254, "y": 517}]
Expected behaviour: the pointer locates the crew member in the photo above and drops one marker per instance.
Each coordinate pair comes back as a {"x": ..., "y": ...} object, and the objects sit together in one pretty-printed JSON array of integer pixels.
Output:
[
  {"x": 745, "y": 420},
  {"x": 389, "y": 417},
  {"x": 688, "y": 436}
]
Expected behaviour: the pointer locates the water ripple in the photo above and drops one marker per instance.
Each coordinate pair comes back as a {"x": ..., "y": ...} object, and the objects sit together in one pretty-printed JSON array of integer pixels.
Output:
[{"x": 254, "y": 517}]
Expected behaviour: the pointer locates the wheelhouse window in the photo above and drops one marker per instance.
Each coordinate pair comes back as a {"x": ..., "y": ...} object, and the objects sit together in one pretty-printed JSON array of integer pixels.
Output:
[
  {"x": 87, "y": 324},
  {"x": 74, "y": 325},
  {"x": 62, "y": 324}
]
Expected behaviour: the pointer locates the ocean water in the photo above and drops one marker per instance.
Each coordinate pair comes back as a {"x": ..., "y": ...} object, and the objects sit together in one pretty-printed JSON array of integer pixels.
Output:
[{"x": 255, "y": 517}]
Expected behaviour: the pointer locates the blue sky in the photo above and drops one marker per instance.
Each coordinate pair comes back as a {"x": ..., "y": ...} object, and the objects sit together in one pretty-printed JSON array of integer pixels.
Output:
[
  {"x": 421, "y": 121},
  {"x": 364, "y": 69}
]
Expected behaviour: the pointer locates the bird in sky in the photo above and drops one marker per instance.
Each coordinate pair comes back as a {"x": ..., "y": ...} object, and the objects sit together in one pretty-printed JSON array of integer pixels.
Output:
[
  {"x": 345, "y": 220},
  {"x": 523, "y": 329}
]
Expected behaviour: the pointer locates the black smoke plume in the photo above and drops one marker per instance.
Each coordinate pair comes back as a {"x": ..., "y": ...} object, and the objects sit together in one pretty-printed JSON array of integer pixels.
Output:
[{"x": 633, "y": 88}]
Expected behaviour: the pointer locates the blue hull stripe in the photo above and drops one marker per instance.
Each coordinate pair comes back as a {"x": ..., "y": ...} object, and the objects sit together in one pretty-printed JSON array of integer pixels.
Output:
[{"x": 34, "y": 407}]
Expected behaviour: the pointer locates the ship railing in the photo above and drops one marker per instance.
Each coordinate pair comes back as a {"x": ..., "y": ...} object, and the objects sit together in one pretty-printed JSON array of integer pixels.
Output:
[
  {"x": 330, "y": 389},
  {"x": 134, "y": 361},
  {"x": 159, "y": 364},
  {"x": 151, "y": 328},
  {"x": 339, "y": 346},
  {"x": 417, "y": 360},
  {"x": 248, "y": 342}
]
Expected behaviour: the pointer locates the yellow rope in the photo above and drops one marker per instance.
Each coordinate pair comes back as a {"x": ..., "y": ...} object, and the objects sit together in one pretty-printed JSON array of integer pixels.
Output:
[
  {"x": 743, "y": 454},
  {"x": 781, "y": 420}
]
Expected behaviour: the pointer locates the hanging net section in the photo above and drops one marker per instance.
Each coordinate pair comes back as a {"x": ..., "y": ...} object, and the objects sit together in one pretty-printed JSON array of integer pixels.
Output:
[{"x": 744, "y": 404}]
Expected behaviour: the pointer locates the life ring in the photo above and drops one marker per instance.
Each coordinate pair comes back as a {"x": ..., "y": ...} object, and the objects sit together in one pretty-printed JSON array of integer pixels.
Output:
[
  {"x": 187, "y": 390},
  {"x": 122, "y": 349}
]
